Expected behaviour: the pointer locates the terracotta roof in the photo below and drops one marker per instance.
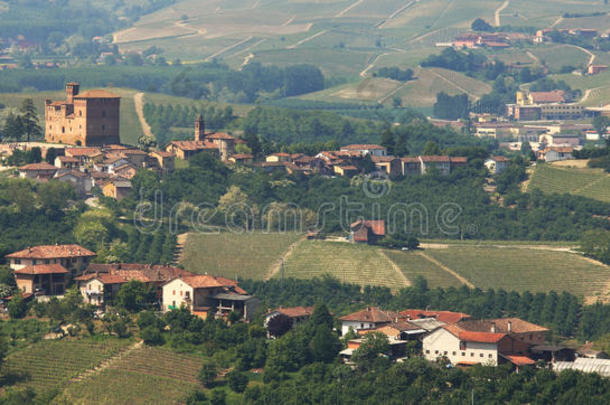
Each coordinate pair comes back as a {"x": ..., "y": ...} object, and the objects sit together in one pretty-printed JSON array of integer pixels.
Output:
[
  {"x": 499, "y": 158},
  {"x": 111, "y": 279},
  {"x": 37, "y": 167},
  {"x": 519, "y": 360},
  {"x": 295, "y": 312},
  {"x": 162, "y": 153},
  {"x": 239, "y": 156},
  {"x": 383, "y": 159},
  {"x": 410, "y": 159},
  {"x": 194, "y": 145},
  {"x": 469, "y": 336},
  {"x": 560, "y": 149},
  {"x": 371, "y": 314},
  {"x": 501, "y": 324},
  {"x": 202, "y": 281},
  {"x": 75, "y": 173},
  {"x": 43, "y": 269},
  {"x": 282, "y": 154},
  {"x": 83, "y": 151},
  {"x": 96, "y": 94},
  {"x": 134, "y": 152},
  {"x": 51, "y": 252},
  {"x": 435, "y": 158},
  {"x": 145, "y": 273},
  {"x": 68, "y": 159},
  {"x": 220, "y": 135},
  {"x": 363, "y": 147},
  {"x": 458, "y": 159},
  {"x": 377, "y": 226},
  {"x": 555, "y": 96},
  {"x": 443, "y": 316}
]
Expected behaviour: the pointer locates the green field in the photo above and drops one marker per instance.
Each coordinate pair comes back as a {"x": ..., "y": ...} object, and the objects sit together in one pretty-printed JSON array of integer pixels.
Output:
[
  {"x": 522, "y": 269},
  {"x": 359, "y": 264},
  {"x": 143, "y": 376},
  {"x": 591, "y": 183},
  {"x": 413, "y": 264},
  {"x": 247, "y": 255},
  {"x": 50, "y": 364},
  {"x": 129, "y": 126},
  {"x": 556, "y": 56}
]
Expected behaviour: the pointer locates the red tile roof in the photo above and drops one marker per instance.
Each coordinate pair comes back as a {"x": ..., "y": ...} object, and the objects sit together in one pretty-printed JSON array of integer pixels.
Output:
[
  {"x": 162, "y": 153},
  {"x": 459, "y": 159},
  {"x": 371, "y": 314},
  {"x": 38, "y": 167},
  {"x": 51, "y": 252},
  {"x": 499, "y": 158},
  {"x": 83, "y": 151},
  {"x": 296, "y": 312},
  {"x": 468, "y": 336},
  {"x": 194, "y": 145},
  {"x": 443, "y": 316},
  {"x": 240, "y": 156},
  {"x": 202, "y": 281},
  {"x": 501, "y": 325},
  {"x": 435, "y": 159},
  {"x": 410, "y": 159},
  {"x": 43, "y": 269},
  {"x": 555, "y": 96},
  {"x": 377, "y": 226},
  {"x": 68, "y": 159},
  {"x": 220, "y": 135},
  {"x": 519, "y": 360}
]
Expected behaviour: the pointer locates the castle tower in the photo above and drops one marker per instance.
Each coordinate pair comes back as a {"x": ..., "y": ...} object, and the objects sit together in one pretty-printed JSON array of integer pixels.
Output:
[
  {"x": 199, "y": 128},
  {"x": 72, "y": 90}
]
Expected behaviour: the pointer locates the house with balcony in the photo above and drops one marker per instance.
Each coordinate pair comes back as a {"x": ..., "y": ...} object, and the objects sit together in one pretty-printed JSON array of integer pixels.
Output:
[
  {"x": 73, "y": 258},
  {"x": 42, "y": 279}
]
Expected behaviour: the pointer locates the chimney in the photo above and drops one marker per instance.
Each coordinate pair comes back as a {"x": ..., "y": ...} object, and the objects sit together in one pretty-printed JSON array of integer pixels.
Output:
[
  {"x": 493, "y": 327},
  {"x": 72, "y": 90},
  {"x": 510, "y": 326},
  {"x": 200, "y": 128}
]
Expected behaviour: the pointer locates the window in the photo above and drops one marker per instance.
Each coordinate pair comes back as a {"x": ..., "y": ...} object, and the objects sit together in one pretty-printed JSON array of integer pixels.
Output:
[
  {"x": 471, "y": 354},
  {"x": 187, "y": 294},
  {"x": 462, "y": 345},
  {"x": 463, "y": 354},
  {"x": 17, "y": 261},
  {"x": 453, "y": 353},
  {"x": 445, "y": 353},
  {"x": 481, "y": 355},
  {"x": 63, "y": 130},
  {"x": 361, "y": 326},
  {"x": 427, "y": 351},
  {"x": 80, "y": 113},
  {"x": 34, "y": 262},
  {"x": 436, "y": 352},
  {"x": 47, "y": 261},
  {"x": 174, "y": 292},
  {"x": 490, "y": 356}
]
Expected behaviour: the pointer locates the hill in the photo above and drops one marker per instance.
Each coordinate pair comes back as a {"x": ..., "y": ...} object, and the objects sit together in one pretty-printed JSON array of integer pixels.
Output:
[{"x": 591, "y": 183}]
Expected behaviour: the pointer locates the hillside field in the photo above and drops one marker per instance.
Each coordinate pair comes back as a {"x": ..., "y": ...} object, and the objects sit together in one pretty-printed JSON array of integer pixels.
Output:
[
  {"x": 246, "y": 255},
  {"x": 591, "y": 183}
]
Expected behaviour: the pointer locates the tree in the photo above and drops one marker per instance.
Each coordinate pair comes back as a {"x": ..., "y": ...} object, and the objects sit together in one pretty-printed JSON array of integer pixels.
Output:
[
  {"x": 324, "y": 345},
  {"x": 197, "y": 398},
  {"x": 135, "y": 296},
  {"x": 481, "y": 25},
  {"x": 29, "y": 119},
  {"x": 388, "y": 141},
  {"x": 13, "y": 127},
  {"x": 601, "y": 123},
  {"x": 51, "y": 155},
  {"x": 3, "y": 350},
  {"x": 279, "y": 325},
  {"x": 321, "y": 317},
  {"x": 431, "y": 149},
  {"x": 373, "y": 345},
  {"x": 17, "y": 307},
  {"x": 219, "y": 397},
  {"x": 152, "y": 336},
  {"x": 208, "y": 372},
  {"x": 238, "y": 381}
]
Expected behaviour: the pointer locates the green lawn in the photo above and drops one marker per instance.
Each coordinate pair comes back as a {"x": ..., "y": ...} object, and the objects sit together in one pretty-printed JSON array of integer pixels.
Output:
[
  {"x": 591, "y": 183},
  {"x": 360, "y": 264},
  {"x": 247, "y": 255},
  {"x": 412, "y": 265},
  {"x": 50, "y": 364},
  {"x": 522, "y": 269}
]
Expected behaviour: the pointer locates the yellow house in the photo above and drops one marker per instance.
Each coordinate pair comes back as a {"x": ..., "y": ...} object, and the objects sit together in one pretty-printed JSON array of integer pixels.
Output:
[{"x": 117, "y": 188}]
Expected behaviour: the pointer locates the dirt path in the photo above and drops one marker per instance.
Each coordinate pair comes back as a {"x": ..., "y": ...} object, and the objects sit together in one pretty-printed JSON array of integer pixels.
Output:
[
  {"x": 348, "y": 8},
  {"x": 301, "y": 42},
  {"x": 372, "y": 64},
  {"x": 228, "y": 48},
  {"x": 530, "y": 173},
  {"x": 447, "y": 269},
  {"x": 108, "y": 362},
  {"x": 396, "y": 13},
  {"x": 277, "y": 266},
  {"x": 139, "y": 103},
  {"x": 498, "y": 11},
  {"x": 533, "y": 57},
  {"x": 557, "y": 21},
  {"x": 396, "y": 268}
]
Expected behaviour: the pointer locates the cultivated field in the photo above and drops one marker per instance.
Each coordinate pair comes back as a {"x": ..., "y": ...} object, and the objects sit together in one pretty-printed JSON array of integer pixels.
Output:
[
  {"x": 247, "y": 255},
  {"x": 521, "y": 269},
  {"x": 50, "y": 364},
  {"x": 413, "y": 264},
  {"x": 143, "y": 376},
  {"x": 359, "y": 264},
  {"x": 591, "y": 183}
]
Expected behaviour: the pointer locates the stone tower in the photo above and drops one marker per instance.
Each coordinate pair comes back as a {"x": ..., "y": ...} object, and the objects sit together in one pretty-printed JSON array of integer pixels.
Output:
[
  {"x": 199, "y": 128},
  {"x": 72, "y": 90}
]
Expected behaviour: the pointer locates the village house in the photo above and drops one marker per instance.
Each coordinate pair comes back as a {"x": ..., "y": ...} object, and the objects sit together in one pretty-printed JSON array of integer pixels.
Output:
[
  {"x": 206, "y": 295},
  {"x": 296, "y": 315},
  {"x": 89, "y": 118},
  {"x": 37, "y": 171},
  {"x": 367, "y": 231},
  {"x": 390, "y": 165},
  {"x": 279, "y": 157},
  {"x": 117, "y": 188},
  {"x": 165, "y": 161},
  {"x": 100, "y": 283},
  {"x": 82, "y": 182},
  {"x": 242, "y": 159},
  {"x": 496, "y": 164},
  {"x": 519, "y": 329},
  {"x": 365, "y": 149},
  {"x": 398, "y": 330},
  {"x": 219, "y": 144},
  {"x": 67, "y": 162},
  {"x": 44, "y": 279},
  {"x": 368, "y": 318},
  {"x": 85, "y": 155},
  {"x": 463, "y": 347},
  {"x": 74, "y": 258},
  {"x": 345, "y": 170},
  {"x": 555, "y": 153}
]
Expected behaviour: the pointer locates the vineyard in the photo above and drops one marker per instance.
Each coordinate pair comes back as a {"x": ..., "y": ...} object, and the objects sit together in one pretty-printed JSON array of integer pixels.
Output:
[
  {"x": 591, "y": 183},
  {"x": 50, "y": 364},
  {"x": 144, "y": 375},
  {"x": 413, "y": 265}
]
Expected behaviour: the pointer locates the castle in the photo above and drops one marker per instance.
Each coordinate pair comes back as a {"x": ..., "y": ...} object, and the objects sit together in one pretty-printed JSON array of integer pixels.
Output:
[{"x": 87, "y": 119}]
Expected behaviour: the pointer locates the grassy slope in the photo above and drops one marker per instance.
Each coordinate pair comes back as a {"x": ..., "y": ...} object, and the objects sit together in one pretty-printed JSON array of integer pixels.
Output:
[
  {"x": 525, "y": 269},
  {"x": 130, "y": 125},
  {"x": 348, "y": 262},
  {"x": 591, "y": 183},
  {"x": 146, "y": 375},
  {"x": 249, "y": 255}
]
